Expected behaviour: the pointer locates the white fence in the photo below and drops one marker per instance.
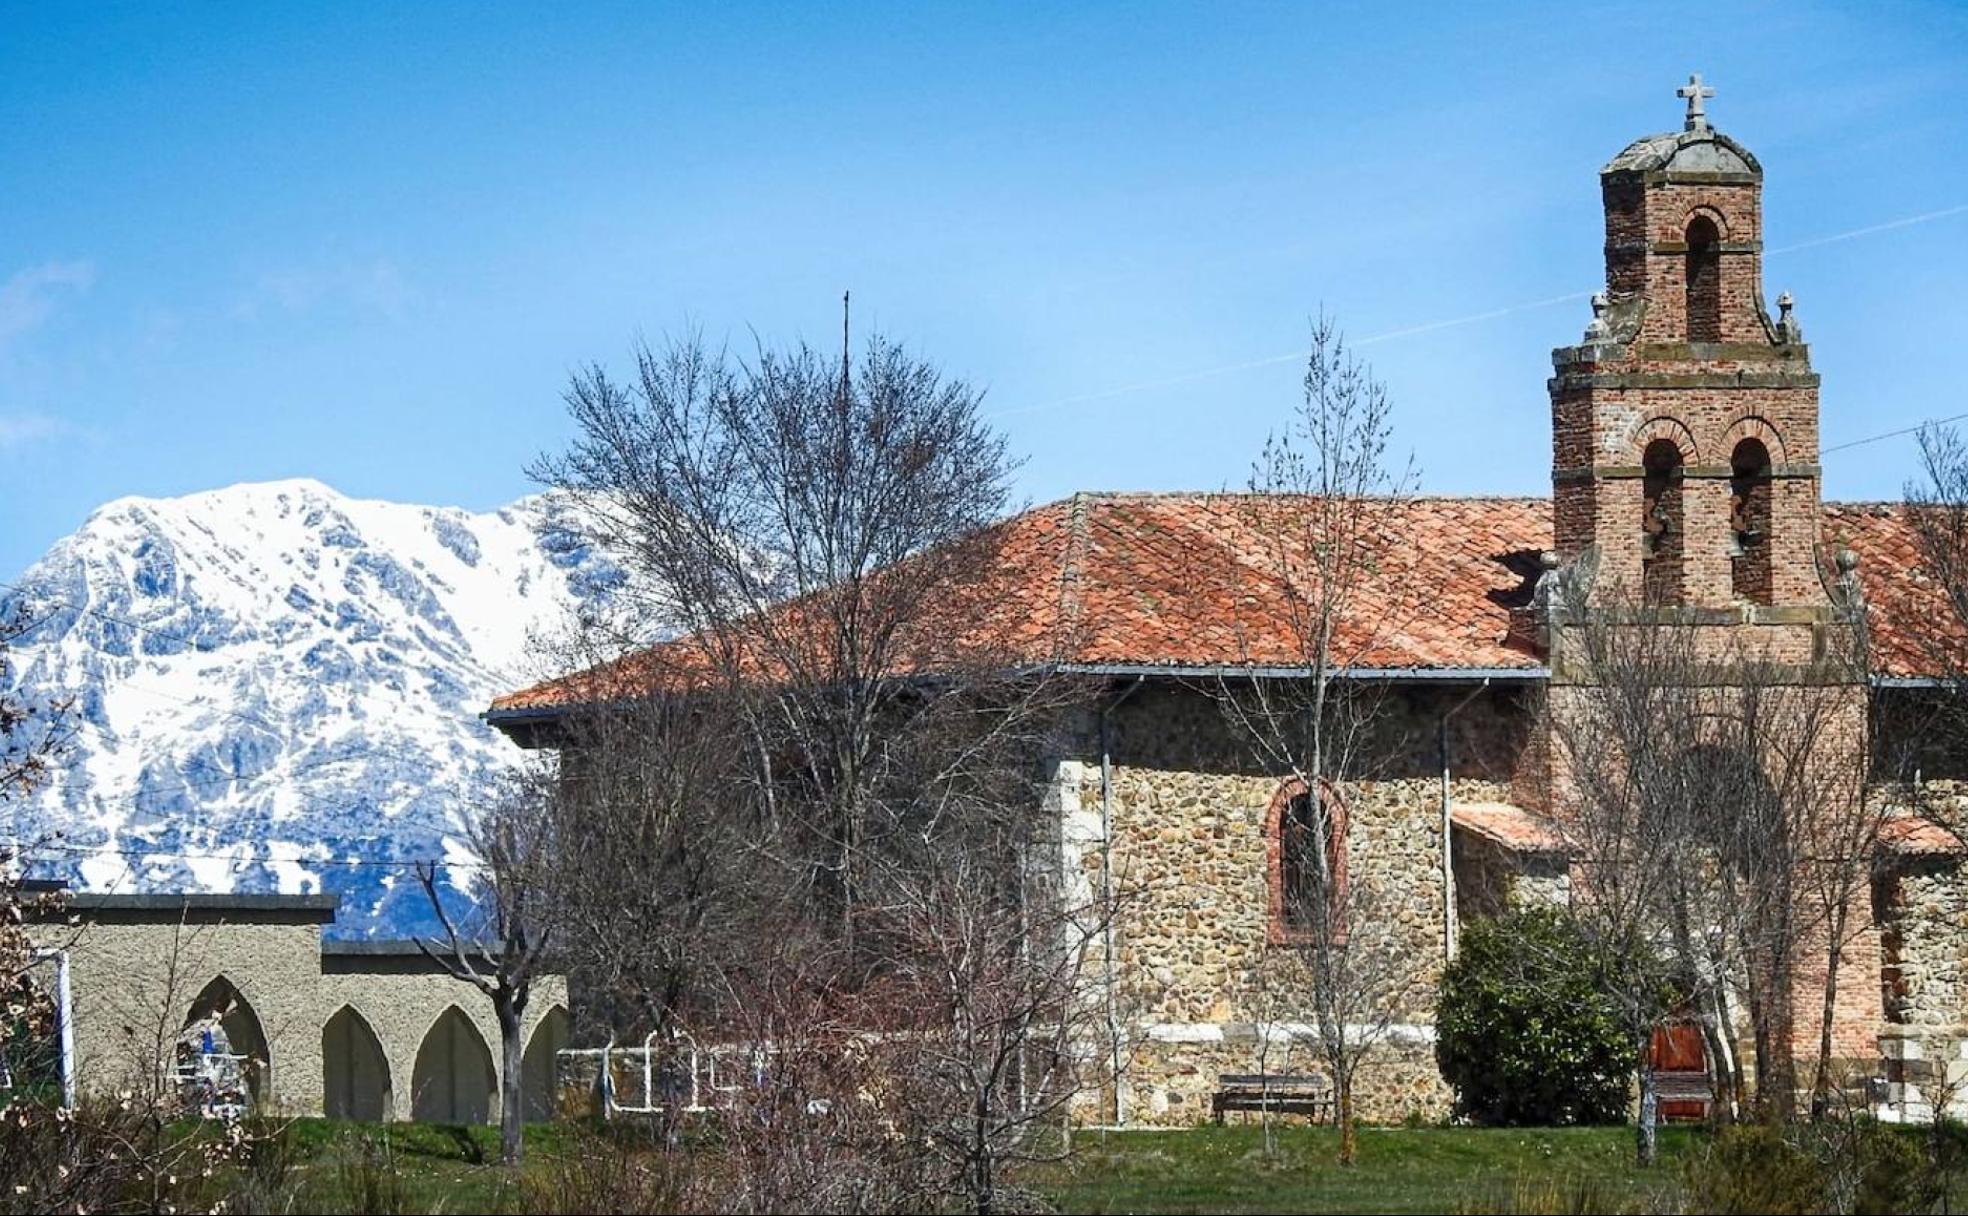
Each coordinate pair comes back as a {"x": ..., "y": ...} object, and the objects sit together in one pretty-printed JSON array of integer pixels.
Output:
[{"x": 681, "y": 1077}]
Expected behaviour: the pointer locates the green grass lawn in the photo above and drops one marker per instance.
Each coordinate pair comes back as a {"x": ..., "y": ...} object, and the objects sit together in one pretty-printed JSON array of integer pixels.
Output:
[
  {"x": 423, "y": 1168},
  {"x": 1421, "y": 1169}
]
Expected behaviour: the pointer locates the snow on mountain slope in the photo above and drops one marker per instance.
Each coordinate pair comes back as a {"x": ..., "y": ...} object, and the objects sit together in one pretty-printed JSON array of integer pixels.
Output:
[{"x": 274, "y": 687}]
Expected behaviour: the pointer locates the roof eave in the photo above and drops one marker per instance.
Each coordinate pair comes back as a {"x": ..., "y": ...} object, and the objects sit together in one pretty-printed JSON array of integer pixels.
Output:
[{"x": 1279, "y": 671}]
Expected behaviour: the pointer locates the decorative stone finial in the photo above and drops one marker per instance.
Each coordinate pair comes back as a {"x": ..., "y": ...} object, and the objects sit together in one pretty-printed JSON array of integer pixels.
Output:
[
  {"x": 1597, "y": 329},
  {"x": 1788, "y": 330},
  {"x": 1696, "y": 92}
]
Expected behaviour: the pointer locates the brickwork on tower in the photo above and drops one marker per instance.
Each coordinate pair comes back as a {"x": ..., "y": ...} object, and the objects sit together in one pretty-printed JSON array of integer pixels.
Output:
[{"x": 1685, "y": 484}]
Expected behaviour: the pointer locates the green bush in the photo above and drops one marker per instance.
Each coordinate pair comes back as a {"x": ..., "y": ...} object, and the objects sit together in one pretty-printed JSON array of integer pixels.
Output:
[
  {"x": 1524, "y": 1034},
  {"x": 1894, "y": 1175},
  {"x": 1756, "y": 1168}
]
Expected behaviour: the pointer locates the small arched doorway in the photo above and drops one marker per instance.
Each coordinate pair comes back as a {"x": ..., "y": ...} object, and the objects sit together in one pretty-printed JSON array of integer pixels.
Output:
[
  {"x": 537, "y": 1070},
  {"x": 453, "y": 1081},
  {"x": 355, "y": 1072},
  {"x": 223, "y": 1061}
]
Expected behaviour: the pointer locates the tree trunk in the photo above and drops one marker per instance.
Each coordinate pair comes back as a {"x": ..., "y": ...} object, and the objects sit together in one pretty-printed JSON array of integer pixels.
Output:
[
  {"x": 1646, "y": 1149},
  {"x": 1725, "y": 1029},
  {"x": 1349, "y": 1139},
  {"x": 1828, "y": 1013},
  {"x": 512, "y": 1103},
  {"x": 983, "y": 1171}
]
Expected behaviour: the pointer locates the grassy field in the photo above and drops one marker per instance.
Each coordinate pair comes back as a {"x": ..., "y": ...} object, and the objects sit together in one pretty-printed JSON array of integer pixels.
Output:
[
  {"x": 421, "y": 1168},
  {"x": 1423, "y": 1169}
]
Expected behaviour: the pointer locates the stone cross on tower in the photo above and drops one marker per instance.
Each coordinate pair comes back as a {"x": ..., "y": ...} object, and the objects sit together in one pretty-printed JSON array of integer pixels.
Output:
[{"x": 1696, "y": 92}]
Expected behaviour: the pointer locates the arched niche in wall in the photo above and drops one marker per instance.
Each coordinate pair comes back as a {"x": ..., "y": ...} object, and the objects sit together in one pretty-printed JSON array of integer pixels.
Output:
[
  {"x": 538, "y": 1068},
  {"x": 224, "y": 1045},
  {"x": 355, "y": 1074},
  {"x": 453, "y": 1081}
]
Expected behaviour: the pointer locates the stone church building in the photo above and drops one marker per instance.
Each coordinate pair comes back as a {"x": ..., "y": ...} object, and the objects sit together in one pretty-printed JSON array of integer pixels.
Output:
[{"x": 1685, "y": 465}]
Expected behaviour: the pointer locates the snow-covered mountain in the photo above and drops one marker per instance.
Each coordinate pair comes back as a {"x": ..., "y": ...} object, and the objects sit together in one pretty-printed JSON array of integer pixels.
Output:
[{"x": 274, "y": 687}]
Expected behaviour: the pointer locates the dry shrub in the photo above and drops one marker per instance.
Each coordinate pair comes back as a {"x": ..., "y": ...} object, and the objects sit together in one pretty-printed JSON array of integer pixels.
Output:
[{"x": 601, "y": 1174}]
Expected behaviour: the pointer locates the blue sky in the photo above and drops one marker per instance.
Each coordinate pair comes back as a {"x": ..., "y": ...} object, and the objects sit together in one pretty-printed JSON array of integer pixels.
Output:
[{"x": 367, "y": 243}]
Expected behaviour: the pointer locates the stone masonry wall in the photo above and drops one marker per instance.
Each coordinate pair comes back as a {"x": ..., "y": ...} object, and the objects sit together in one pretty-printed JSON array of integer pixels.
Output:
[{"x": 1196, "y": 970}]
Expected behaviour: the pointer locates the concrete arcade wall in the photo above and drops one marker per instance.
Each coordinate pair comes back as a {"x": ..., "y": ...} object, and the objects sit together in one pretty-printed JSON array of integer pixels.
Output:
[{"x": 137, "y": 965}]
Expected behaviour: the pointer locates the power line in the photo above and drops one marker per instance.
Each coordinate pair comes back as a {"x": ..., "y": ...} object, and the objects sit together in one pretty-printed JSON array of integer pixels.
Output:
[
  {"x": 1448, "y": 323},
  {"x": 127, "y": 623},
  {"x": 1905, "y": 430},
  {"x": 377, "y": 862}
]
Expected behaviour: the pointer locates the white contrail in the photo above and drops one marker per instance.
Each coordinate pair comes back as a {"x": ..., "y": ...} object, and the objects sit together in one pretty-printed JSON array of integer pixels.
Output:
[
  {"x": 1888, "y": 226},
  {"x": 1450, "y": 323}
]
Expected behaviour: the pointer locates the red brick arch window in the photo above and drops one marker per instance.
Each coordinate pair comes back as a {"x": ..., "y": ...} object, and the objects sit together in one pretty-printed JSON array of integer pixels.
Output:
[
  {"x": 1307, "y": 850},
  {"x": 1661, "y": 522},
  {"x": 1704, "y": 280},
  {"x": 1749, "y": 521}
]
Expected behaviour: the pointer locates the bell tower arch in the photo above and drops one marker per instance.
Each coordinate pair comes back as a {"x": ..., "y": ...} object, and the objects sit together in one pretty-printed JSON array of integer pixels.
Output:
[{"x": 1685, "y": 422}]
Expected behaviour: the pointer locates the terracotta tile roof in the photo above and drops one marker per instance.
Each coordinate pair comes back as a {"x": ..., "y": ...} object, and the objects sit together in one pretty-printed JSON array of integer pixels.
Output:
[
  {"x": 1897, "y": 588},
  {"x": 1196, "y": 580},
  {"x": 1513, "y": 827},
  {"x": 1912, "y": 835},
  {"x": 1193, "y": 580}
]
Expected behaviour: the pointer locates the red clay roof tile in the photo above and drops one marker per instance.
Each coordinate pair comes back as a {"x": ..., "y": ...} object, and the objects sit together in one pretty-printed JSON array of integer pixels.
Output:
[{"x": 1194, "y": 580}]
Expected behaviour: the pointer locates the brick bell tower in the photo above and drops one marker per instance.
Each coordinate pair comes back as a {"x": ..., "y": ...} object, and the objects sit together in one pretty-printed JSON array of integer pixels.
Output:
[
  {"x": 1685, "y": 477},
  {"x": 1685, "y": 423}
]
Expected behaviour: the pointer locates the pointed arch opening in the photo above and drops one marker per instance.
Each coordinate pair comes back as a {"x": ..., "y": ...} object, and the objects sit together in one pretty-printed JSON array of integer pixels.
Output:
[
  {"x": 1704, "y": 280},
  {"x": 453, "y": 1081},
  {"x": 223, "y": 1060},
  {"x": 538, "y": 1068},
  {"x": 1749, "y": 522},
  {"x": 1661, "y": 532},
  {"x": 355, "y": 1081}
]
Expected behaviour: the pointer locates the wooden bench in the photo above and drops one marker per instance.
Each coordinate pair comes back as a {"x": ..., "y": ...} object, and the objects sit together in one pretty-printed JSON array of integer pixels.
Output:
[
  {"x": 1683, "y": 1096},
  {"x": 1310, "y": 1095}
]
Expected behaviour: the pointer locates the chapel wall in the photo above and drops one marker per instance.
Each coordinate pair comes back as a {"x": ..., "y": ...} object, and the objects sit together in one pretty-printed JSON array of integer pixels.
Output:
[{"x": 1198, "y": 975}]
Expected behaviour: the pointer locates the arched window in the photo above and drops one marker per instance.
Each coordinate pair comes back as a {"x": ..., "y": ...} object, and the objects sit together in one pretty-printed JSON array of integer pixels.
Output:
[
  {"x": 1661, "y": 532},
  {"x": 354, "y": 1071},
  {"x": 1749, "y": 521},
  {"x": 1704, "y": 276},
  {"x": 1308, "y": 866}
]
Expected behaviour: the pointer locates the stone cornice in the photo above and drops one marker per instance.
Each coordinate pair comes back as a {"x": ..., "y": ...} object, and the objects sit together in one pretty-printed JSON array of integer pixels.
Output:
[
  {"x": 1693, "y": 472},
  {"x": 1776, "y": 378}
]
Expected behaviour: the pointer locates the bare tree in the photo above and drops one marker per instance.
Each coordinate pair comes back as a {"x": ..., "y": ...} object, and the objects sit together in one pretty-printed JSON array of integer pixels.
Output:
[
  {"x": 983, "y": 952},
  {"x": 1713, "y": 801},
  {"x": 1620, "y": 790},
  {"x": 503, "y": 948},
  {"x": 31, "y": 738},
  {"x": 825, "y": 788},
  {"x": 1326, "y": 505},
  {"x": 1937, "y": 509},
  {"x": 819, "y": 529},
  {"x": 653, "y": 844}
]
